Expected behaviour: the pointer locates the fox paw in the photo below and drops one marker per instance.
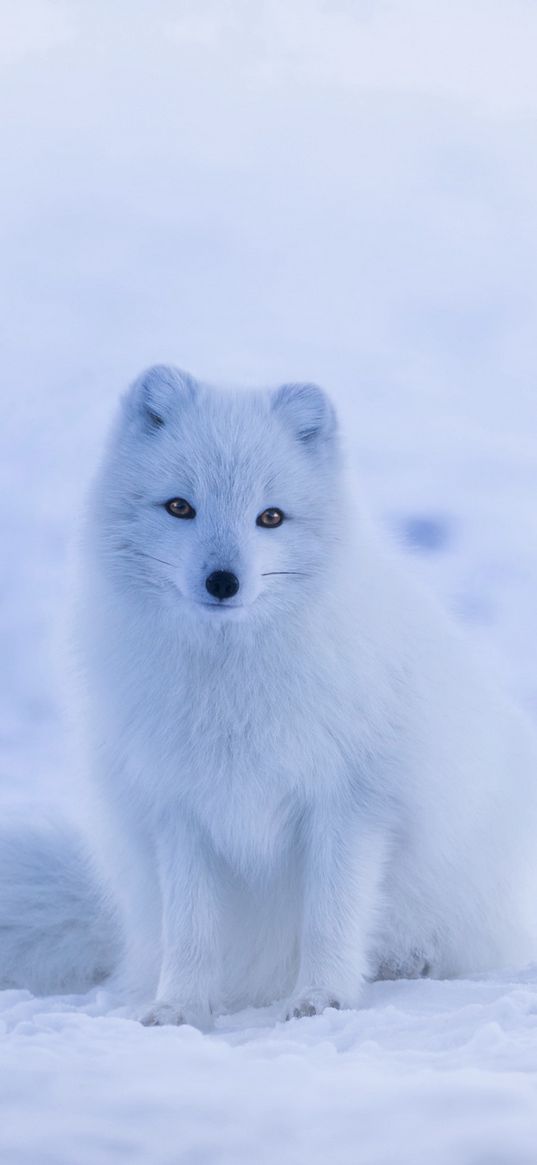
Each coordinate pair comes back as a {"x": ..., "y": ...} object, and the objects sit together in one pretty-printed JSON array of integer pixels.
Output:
[
  {"x": 162, "y": 1015},
  {"x": 307, "y": 1003}
]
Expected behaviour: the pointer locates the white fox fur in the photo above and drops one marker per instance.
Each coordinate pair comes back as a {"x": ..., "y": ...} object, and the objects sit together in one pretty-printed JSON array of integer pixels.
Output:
[
  {"x": 308, "y": 783},
  {"x": 57, "y": 929}
]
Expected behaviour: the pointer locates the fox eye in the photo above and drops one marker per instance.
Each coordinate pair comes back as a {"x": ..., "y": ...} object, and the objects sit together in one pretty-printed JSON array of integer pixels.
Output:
[
  {"x": 179, "y": 508},
  {"x": 270, "y": 518}
]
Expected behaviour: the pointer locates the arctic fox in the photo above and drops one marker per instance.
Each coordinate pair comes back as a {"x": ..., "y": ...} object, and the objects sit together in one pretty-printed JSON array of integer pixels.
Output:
[{"x": 300, "y": 781}]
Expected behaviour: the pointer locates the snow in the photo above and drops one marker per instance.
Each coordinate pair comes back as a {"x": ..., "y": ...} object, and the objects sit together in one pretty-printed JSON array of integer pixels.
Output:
[
  {"x": 426, "y": 1071},
  {"x": 342, "y": 191}
]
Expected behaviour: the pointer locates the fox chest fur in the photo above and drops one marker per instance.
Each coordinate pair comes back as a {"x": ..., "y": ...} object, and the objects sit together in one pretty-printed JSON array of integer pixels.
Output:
[{"x": 243, "y": 744}]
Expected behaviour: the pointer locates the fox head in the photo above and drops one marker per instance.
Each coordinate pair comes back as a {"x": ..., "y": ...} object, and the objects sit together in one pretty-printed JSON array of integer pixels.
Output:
[{"x": 224, "y": 504}]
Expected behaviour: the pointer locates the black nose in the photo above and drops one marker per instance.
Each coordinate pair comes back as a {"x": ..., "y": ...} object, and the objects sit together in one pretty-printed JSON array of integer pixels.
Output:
[{"x": 222, "y": 584}]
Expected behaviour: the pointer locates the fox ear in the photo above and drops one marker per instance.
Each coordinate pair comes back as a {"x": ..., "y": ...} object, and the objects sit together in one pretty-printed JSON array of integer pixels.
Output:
[
  {"x": 307, "y": 410},
  {"x": 156, "y": 395}
]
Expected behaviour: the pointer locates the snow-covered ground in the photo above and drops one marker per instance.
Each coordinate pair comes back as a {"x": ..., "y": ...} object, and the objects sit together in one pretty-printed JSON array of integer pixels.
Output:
[
  {"x": 441, "y": 1072},
  {"x": 345, "y": 191}
]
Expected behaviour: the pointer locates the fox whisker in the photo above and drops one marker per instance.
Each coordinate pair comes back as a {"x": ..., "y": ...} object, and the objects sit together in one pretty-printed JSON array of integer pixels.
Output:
[{"x": 153, "y": 557}]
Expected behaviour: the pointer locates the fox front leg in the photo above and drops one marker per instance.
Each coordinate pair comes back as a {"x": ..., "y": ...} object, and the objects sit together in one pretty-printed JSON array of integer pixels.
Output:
[
  {"x": 343, "y": 868},
  {"x": 189, "y": 981}
]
